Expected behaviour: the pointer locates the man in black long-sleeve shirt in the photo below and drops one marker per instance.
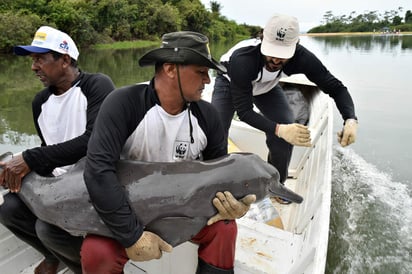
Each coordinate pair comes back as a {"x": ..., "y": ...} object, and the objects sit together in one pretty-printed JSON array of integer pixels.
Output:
[
  {"x": 164, "y": 120},
  {"x": 254, "y": 68}
]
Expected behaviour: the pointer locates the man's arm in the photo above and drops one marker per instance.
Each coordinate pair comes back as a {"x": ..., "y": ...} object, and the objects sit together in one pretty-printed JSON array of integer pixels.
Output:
[
  {"x": 117, "y": 119},
  {"x": 306, "y": 62}
]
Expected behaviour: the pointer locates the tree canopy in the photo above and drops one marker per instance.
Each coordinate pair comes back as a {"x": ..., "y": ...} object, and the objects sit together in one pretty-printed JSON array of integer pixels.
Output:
[
  {"x": 369, "y": 21},
  {"x": 100, "y": 21},
  {"x": 91, "y": 22}
]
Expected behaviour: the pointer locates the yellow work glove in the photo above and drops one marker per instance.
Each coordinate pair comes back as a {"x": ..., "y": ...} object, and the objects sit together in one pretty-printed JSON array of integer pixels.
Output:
[
  {"x": 229, "y": 208},
  {"x": 148, "y": 247},
  {"x": 295, "y": 134},
  {"x": 347, "y": 135}
]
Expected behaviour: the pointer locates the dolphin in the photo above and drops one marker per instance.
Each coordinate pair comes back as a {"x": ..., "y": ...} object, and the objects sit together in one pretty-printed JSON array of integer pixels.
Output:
[{"x": 173, "y": 199}]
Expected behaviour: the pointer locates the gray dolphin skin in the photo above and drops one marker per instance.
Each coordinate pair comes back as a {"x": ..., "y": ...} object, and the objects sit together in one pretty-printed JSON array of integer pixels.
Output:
[{"x": 173, "y": 200}]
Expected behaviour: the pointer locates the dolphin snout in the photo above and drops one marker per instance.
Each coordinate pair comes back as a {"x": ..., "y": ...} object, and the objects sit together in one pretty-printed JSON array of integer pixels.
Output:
[{"x": 285, "y": 193}]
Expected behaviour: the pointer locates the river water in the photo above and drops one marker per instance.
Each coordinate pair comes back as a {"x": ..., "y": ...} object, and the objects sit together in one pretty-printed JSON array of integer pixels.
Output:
[{"x": 371, "y": 217}]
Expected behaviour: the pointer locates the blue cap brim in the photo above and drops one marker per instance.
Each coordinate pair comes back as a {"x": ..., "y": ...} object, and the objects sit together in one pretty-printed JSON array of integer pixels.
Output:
[{"x": 26, "y": 50}]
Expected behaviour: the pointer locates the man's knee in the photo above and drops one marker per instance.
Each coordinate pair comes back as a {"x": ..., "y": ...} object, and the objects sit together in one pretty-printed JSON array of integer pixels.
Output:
[
  {"x": 217, "y": 244},
  {"x": 226, "y": 230},
  {"x": 48, "y": 234},
  {"x": 42, "y": 230},
  {"x": 102, "y": 255},
  {"x": 10, "y": 209}
]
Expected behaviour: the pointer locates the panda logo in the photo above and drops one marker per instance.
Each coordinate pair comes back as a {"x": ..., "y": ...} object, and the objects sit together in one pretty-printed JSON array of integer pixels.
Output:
[
  {"x": 180, "y": 150},
  {"x": 280, "y": 34}
]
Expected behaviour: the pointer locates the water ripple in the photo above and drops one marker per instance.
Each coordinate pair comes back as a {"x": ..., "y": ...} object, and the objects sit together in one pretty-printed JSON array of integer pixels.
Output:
[{"x": 371, "y": 218}]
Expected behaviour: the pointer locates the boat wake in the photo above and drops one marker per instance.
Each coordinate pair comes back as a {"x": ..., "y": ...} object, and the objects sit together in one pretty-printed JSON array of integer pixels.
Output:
[{"x": 371, "y": 218}]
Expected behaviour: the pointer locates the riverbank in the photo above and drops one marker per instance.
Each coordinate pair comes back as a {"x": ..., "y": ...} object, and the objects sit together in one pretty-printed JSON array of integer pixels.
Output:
[
  {"x": 354, "y": 33},
  {"x": 150, "y": 43},
  {"x": 127, "y": 44}
]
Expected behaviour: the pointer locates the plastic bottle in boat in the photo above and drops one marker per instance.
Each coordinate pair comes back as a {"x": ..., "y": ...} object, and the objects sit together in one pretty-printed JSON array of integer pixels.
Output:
[{"x": 262, "y": 211}]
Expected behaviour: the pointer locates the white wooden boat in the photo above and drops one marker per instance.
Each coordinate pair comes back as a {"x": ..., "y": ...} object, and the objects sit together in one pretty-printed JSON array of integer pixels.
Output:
[{"x": 299, "y": 247}]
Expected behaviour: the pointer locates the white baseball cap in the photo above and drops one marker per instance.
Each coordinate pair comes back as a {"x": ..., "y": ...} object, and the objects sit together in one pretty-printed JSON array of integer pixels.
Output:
[
  {"x": 280, "y": 36},
  {"x": 47, "y": 39}
]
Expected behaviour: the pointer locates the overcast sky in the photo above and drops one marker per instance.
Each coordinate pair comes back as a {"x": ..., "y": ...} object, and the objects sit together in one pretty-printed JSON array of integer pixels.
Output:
[{"x": 309, "y": 12}]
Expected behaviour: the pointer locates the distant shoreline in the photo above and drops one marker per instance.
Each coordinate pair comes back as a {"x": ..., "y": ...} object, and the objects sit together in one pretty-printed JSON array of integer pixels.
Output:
[
  {"x": 353, "y": 33},
  {"x": 148, "y": 44}
]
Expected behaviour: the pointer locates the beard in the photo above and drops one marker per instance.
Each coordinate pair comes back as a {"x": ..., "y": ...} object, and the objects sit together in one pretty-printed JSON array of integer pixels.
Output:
[{"x": 272, "y": 67}]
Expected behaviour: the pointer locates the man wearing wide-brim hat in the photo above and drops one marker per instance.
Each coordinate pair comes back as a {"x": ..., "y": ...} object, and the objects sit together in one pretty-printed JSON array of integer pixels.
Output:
[{"x": 164, "y": 120}]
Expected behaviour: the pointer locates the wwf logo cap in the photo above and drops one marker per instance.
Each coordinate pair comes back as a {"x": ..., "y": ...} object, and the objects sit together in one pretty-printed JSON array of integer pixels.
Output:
[{"x": 280, "y": 36}]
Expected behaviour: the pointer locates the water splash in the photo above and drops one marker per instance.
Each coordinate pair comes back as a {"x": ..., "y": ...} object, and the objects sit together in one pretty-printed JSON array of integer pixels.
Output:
[{"x": 371, "y": 218}]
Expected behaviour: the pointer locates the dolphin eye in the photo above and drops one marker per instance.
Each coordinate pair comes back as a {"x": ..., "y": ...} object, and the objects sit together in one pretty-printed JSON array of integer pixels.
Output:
[{"x": 247, "y": 184}]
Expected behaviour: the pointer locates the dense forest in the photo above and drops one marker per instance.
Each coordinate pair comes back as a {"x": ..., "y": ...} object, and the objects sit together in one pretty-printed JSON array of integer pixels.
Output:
[
  {"x": 101, "y": 21},
  {"x": 91, "y": 22},
  {"x": 369, "y": 21}
]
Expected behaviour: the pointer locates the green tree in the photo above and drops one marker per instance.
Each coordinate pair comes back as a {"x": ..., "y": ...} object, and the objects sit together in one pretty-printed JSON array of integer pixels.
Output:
[
  {"x": 368, "y": 21},
  {"x": 72, "y": 18},
  {"x": 111, "y": 18},
  {"x": 165, "y": 19},
  {"x": 17, "y": 29},
  {"x": 328, "y": 17},
  {"x": 408, "y": 17},
  {"x": 397, "y": 20},
  {"x": 216, "y": 7},
  {"x": 96, "y": 21},
  {"x": 194, "y": 16}
]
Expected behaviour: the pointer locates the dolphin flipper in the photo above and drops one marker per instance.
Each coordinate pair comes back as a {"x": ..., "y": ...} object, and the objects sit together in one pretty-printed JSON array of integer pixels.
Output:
[{"x": 179, "y": 229}]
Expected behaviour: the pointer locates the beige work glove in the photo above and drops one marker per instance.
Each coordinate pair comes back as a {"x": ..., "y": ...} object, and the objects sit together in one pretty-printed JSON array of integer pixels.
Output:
[
  {"x": 295, "y": 134},
  {"x": 148, "y": 247},
  {"x": 229, "y": 208},
  {"x": 347, "y": 135}
]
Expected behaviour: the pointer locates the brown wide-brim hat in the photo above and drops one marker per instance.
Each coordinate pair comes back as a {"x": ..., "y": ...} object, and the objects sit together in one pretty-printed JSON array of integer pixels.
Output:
[{"x": 182, "y": 47}]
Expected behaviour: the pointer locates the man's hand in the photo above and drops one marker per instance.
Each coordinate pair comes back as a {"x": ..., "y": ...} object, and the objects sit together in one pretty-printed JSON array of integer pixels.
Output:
[
  {"x": 295, "y": 134},
  {"x": 347, "y": 135},
  {"x": 13, "y": 173},
  {"x": 148, "y": 247},
  {"x": 229, "y": 208}
]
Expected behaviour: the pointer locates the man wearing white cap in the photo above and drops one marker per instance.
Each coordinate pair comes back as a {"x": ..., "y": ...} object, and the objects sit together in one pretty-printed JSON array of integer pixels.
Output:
[
  {"x": 64, "y": 113},
  {"x": 254, "y": 68}
]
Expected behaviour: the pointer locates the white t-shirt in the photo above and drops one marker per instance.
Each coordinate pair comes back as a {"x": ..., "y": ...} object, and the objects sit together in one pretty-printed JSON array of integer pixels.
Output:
[
  {"x": 59, "y": 124},
  {"x": 162, "y": 137}
]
